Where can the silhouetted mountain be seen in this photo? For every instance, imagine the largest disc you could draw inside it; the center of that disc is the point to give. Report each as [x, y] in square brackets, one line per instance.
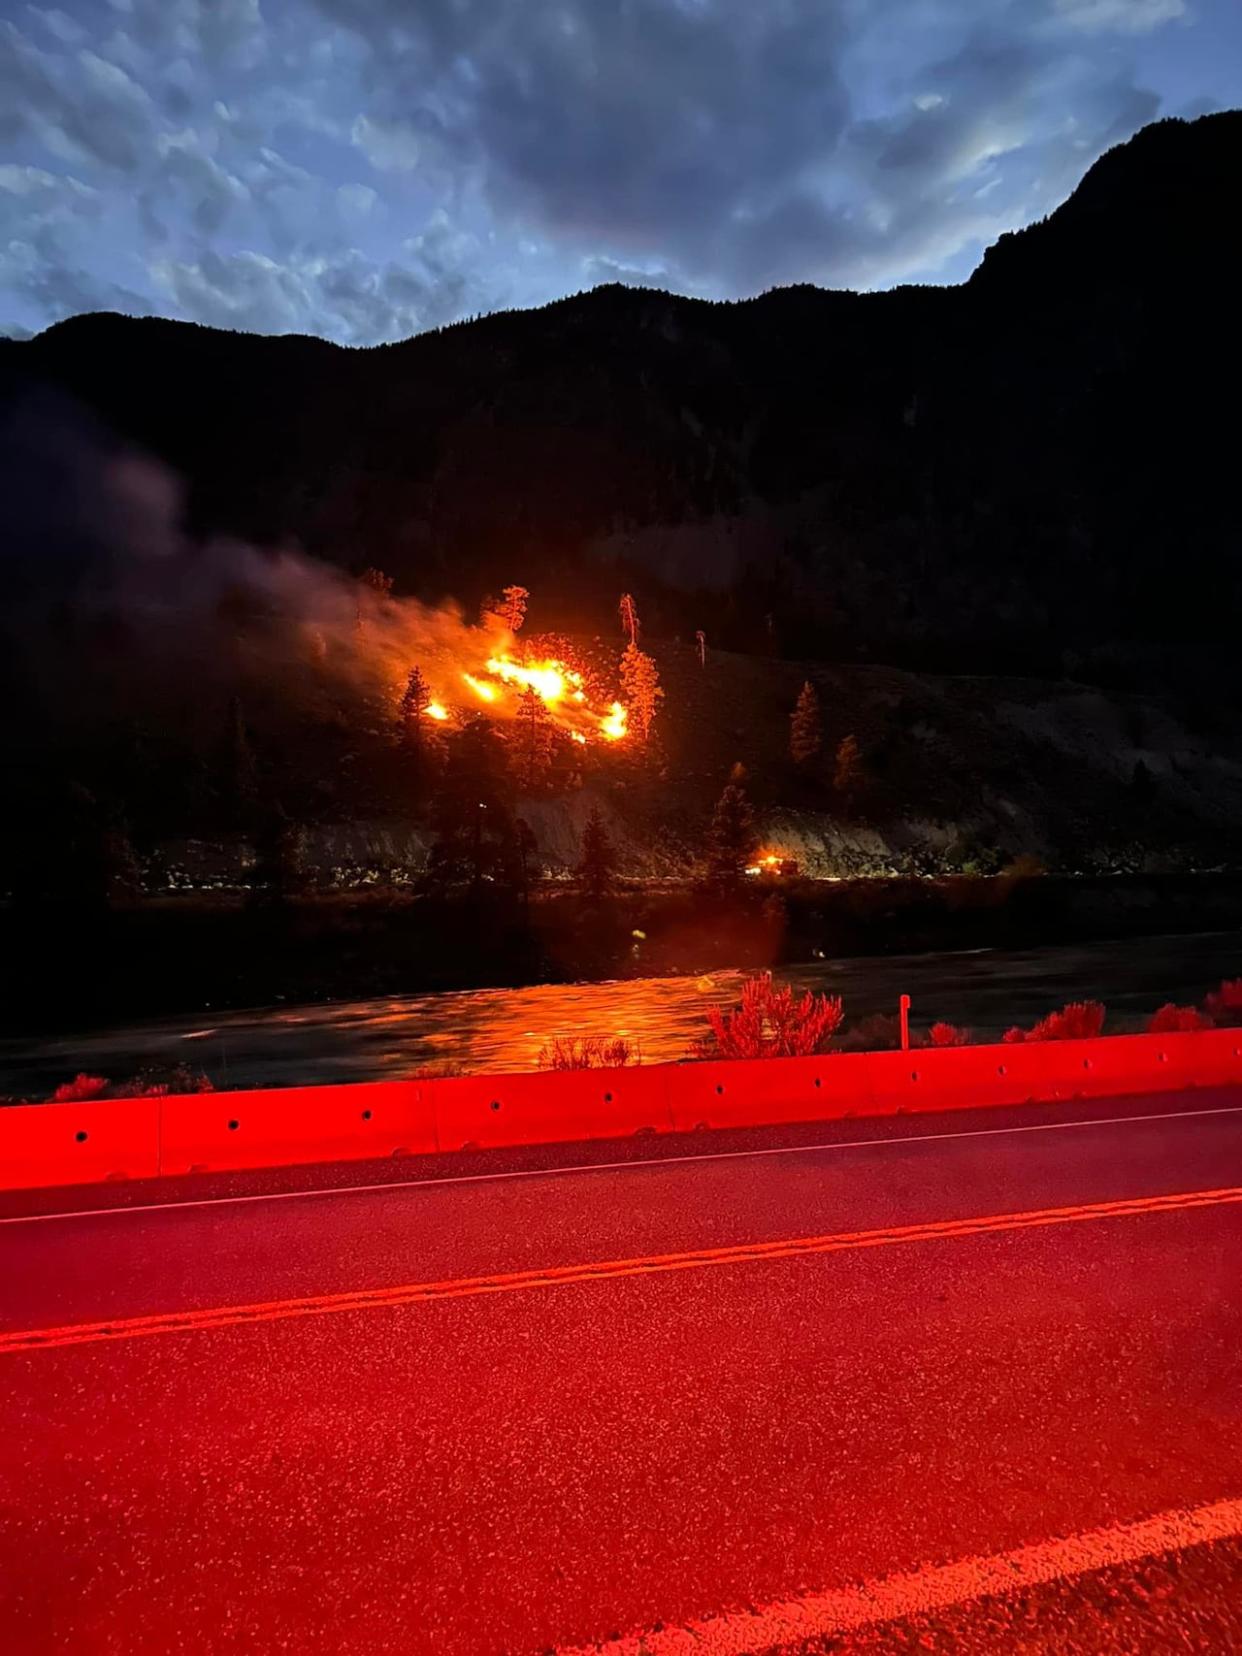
[1033, 471]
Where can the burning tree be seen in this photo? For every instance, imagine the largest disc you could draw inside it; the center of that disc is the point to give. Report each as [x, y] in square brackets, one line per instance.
[640, 685]
[771, 1023]
[511, 607]
[628, 611]
[805, 733]
[731, 839]
[598, 861]
[532, 741]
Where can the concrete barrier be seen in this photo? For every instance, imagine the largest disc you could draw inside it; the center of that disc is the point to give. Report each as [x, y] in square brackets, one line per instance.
[206, 1132]
[60, 1144]
[489, 1110]
[759, 1094]
[57, 1144]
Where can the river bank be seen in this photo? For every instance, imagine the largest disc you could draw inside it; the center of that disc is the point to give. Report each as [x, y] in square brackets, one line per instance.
[503, 1029]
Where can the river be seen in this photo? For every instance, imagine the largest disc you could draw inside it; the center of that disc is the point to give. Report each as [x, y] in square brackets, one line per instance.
[503, 1029]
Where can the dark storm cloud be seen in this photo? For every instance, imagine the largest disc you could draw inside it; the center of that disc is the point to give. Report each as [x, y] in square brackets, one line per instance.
[368, 168]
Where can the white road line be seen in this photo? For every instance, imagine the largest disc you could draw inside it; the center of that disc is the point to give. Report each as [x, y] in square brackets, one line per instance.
[917, 1593]
[605, 1167]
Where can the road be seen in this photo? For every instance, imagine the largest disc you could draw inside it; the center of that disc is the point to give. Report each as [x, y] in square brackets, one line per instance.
[503, 1029]
[693, 1389]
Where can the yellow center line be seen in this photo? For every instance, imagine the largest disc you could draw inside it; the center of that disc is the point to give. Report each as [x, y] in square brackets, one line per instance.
[508, 1282]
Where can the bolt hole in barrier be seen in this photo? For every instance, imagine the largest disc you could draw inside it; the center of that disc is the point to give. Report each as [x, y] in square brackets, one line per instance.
[288, 1125]
[550, 1106]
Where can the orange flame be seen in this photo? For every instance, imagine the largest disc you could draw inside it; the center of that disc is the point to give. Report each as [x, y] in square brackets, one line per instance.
[436, 711]
[485, 692]
[615, 726]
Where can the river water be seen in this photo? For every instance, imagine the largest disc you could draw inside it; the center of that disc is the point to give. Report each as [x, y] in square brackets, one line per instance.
[503, 1029]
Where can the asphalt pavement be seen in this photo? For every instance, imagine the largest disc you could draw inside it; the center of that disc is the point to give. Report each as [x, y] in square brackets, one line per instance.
[687, 1393]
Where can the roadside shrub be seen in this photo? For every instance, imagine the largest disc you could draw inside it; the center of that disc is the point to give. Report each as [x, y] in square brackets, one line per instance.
[771, 1023]
[573, 1052]
[159, 1080]
[1077, 1021]
[153, 1082]
[81, 1087]
[948, 1035]
[1224, 1005]
[1170, 1020]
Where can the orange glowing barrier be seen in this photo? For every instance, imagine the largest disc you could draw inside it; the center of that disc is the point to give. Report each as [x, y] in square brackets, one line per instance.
[614, 727]
[436, 711]
[485, 692]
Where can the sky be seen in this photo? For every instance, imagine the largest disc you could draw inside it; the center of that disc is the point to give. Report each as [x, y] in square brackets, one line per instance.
[365, 169]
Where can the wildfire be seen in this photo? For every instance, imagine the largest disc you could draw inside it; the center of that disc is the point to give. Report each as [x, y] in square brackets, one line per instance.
[485, 692]
[550, 682]
[436, 710]
[772, 862]
[615, 725]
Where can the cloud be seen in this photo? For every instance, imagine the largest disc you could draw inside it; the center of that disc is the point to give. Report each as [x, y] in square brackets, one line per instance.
[1119, 16]
[261, 162]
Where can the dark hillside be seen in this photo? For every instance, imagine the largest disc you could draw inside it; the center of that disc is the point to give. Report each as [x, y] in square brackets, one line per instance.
[1029, 472]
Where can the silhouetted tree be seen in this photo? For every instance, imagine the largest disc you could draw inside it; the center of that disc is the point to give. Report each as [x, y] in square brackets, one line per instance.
[412, 713]
[477, 841]
[628, 611]
[278, 872]
[640, 686]
[731, 840]
[598, 861]
[848, 773]
[532, 741]
[805, 733]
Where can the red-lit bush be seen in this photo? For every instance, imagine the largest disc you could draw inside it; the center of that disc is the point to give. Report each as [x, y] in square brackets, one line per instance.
[1224, 1005]
[1079, 1021]
[771, 1023]
[80, 1088]
[588, 1052]
[948, 1035]
[1174, 1020]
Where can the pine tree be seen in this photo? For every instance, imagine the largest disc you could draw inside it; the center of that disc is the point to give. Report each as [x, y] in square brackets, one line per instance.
[805, 734]
[598, 860]
[640, 686]
[700, 644]
[847, 776]
[375, 581]
[476, 837]
[533, 739]
[628, 611]
[412, 713]
[512, 607]
[731, 840]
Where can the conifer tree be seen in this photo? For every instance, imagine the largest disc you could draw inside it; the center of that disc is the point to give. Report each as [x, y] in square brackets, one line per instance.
[598, 860]
[412, 712]
[731, 840]
[640, 687]
[533, 739]
[628, 610]
[847, 776]
[805, 733]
